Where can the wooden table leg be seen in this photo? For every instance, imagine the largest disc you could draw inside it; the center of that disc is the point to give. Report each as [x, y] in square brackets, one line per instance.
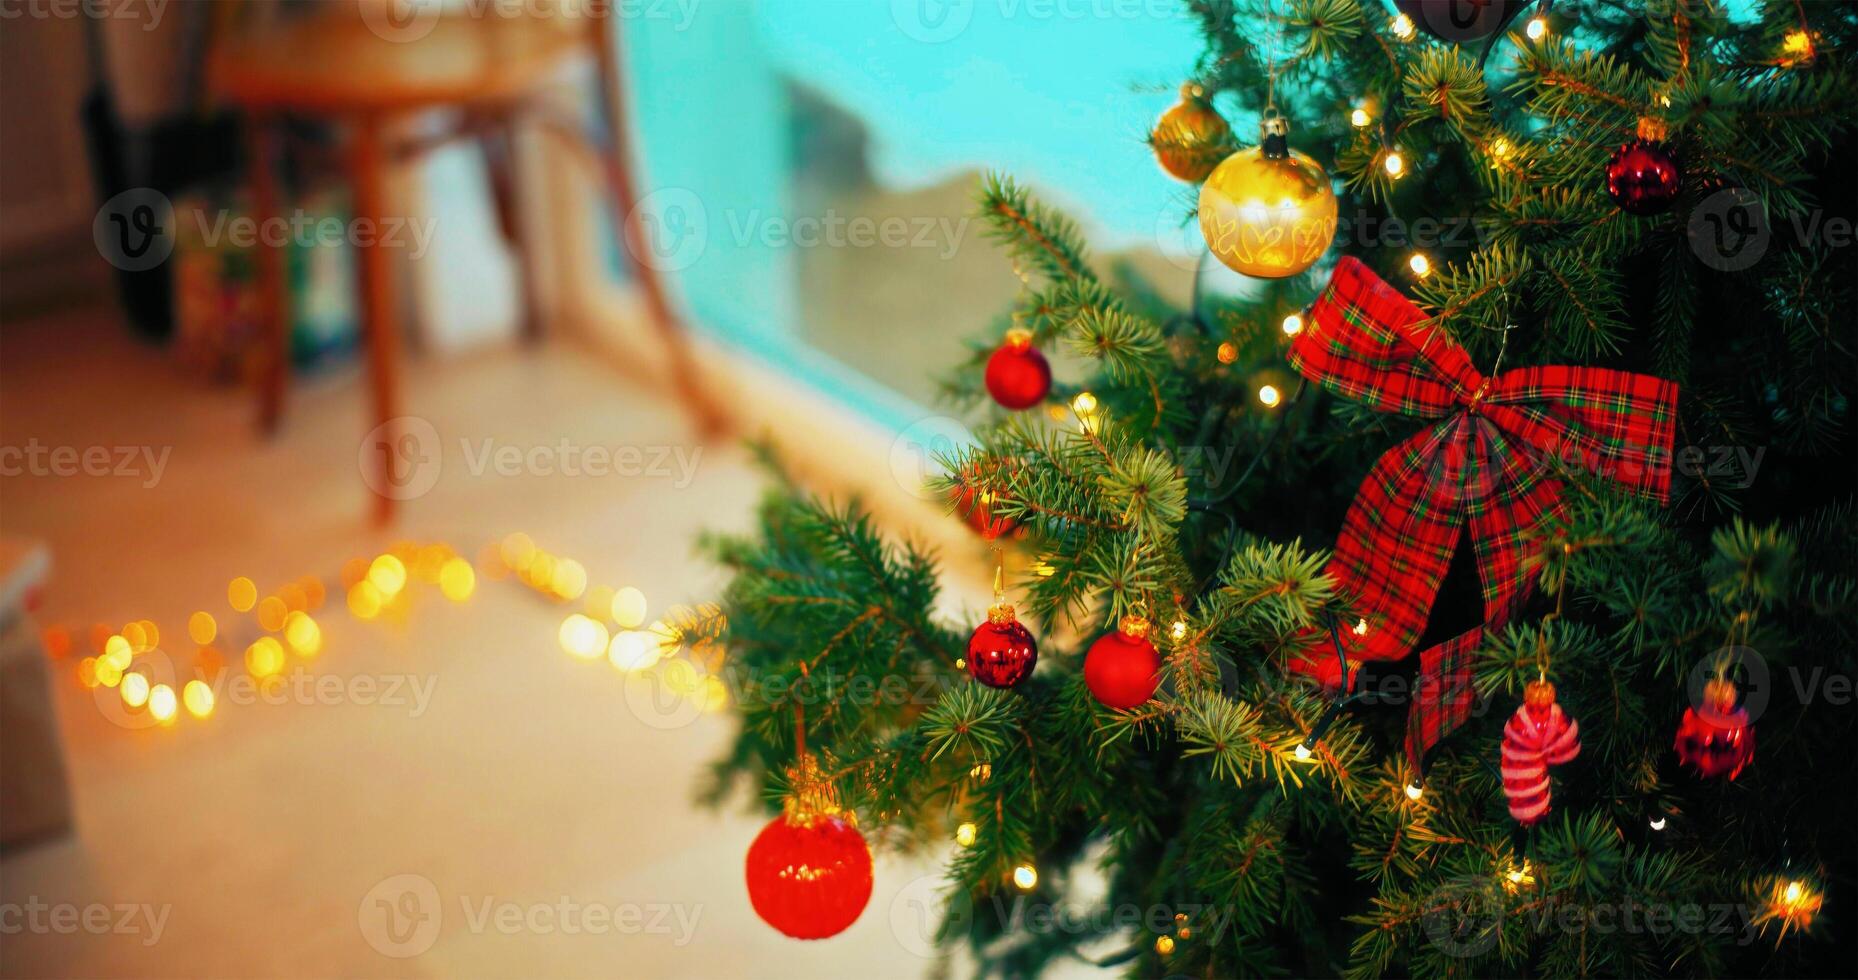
[367, 172]
[261, 141]
[500, 152]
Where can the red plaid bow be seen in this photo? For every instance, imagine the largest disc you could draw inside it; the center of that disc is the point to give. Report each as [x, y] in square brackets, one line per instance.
[1482, 470]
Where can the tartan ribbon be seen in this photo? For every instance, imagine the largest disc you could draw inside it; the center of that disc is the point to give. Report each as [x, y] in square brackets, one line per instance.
[1482, 470]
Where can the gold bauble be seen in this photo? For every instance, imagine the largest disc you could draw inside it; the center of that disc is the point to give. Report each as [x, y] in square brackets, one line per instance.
[1190, 137]
[1268, 211]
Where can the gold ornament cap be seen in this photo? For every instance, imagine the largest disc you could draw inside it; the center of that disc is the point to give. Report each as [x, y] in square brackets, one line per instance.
[1539, 694]
[810, 795]
[1019, 338]
[1653, 130]
[1001, 613]
[1133, 626]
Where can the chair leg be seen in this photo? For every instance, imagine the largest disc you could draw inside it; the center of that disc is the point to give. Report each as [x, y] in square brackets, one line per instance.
[367, 172]
[710, 417]
[500, 151]
[261, 151]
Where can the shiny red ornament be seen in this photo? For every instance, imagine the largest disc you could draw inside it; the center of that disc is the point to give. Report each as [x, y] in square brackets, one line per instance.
[1018, 376]
[976, 506]
[1643, 177]
[1123, 668]
[1538, 735]
[1717, 739]
[809, 876]
[1002, 652]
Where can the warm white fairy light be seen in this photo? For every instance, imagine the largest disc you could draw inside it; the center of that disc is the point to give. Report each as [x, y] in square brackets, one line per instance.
[1026, 877]
[1537, 28]
[1293, 325]
[1360, 118]
[1268, 394]
[1414, 791]
[1403, 27]
[1658, 822]
[964, 835]
[1395, 164]
[1421, 266]
[1303, 752]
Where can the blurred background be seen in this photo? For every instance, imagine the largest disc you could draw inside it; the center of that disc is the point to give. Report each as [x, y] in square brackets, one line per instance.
[367, 371]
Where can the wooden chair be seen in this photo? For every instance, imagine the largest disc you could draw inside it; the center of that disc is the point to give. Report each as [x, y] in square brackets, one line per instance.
[366, 73]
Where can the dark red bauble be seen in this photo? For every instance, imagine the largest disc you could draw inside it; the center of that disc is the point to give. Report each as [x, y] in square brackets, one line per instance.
[1716, 739]
[809, 877]
[1460, 20]
[1018, 376]
[1642, 177]
[1123, 668]
[1001, 653]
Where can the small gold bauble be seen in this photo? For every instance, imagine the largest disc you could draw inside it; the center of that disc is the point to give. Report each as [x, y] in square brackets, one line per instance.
[1268, 211]
[1190, 137]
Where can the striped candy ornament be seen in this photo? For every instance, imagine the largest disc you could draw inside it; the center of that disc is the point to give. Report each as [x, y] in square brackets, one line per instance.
[1538, 735]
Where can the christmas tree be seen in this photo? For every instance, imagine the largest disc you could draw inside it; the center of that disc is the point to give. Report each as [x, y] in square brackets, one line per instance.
[1538, 510]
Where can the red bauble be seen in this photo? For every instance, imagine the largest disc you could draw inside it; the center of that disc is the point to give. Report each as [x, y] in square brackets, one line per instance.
[1460, 20]
[1717, 739]
[976, 506]
[1018, 376]
[1002, 652]
[809, 877]
[1538, 735]
[1642, 177]
[1123, 668]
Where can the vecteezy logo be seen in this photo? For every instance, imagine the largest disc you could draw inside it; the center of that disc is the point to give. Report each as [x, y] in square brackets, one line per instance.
[1461, 20]
[401, 458]
[1729, 230]
[400, 916]
[1463, 917]
[135, 229]
[673, 229]
[931, 21]
[1744, 665]
[919, 913]
[401, 20]
[915, 456]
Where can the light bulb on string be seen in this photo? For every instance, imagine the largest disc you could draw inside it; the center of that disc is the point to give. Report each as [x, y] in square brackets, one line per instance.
[1395, 164]
[1026, 877]
[1360, 118]
[1303, 752]
[1537, 28]
[1414, 791]
[1293, 325]
[1421, 266]
[1403, 27]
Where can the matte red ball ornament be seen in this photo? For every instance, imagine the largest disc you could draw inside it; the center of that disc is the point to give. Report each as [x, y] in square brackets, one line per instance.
[1716, 739]
[1123, 668]
[809, 870]
[1002, 652]
[1018, 376]
[1643, 177]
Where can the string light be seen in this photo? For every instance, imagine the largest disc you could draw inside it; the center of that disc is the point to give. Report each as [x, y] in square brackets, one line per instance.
[202, 627]
[1414, 791]
[1500, 149]
[1228, 352]
[1178, 630]
[964, 835]
[1360, 118]
[134, 689]
[1793, 903]
[1084, 404]
[1269, 395]
[1164, 944]
[1361, 627]
[198, 697]
[1658, 822]
[107, 673]
[1293, 325]
[1403, 27]
[632, 650]
[629, 608]
[1537, 28]
[583, 637]
[981, 772]
[1395, 164]
[457, 579]
[241, 594]
[388, 574]
[303, 635]
[1518, 878]
[364, 600]
[1026, 877]
[162, 703]
[264, 657]
[271, 613]
[1421, 266]
[1303, 752]
[1798, 45]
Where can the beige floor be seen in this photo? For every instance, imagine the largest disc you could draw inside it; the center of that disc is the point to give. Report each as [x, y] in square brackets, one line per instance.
[264, 831]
